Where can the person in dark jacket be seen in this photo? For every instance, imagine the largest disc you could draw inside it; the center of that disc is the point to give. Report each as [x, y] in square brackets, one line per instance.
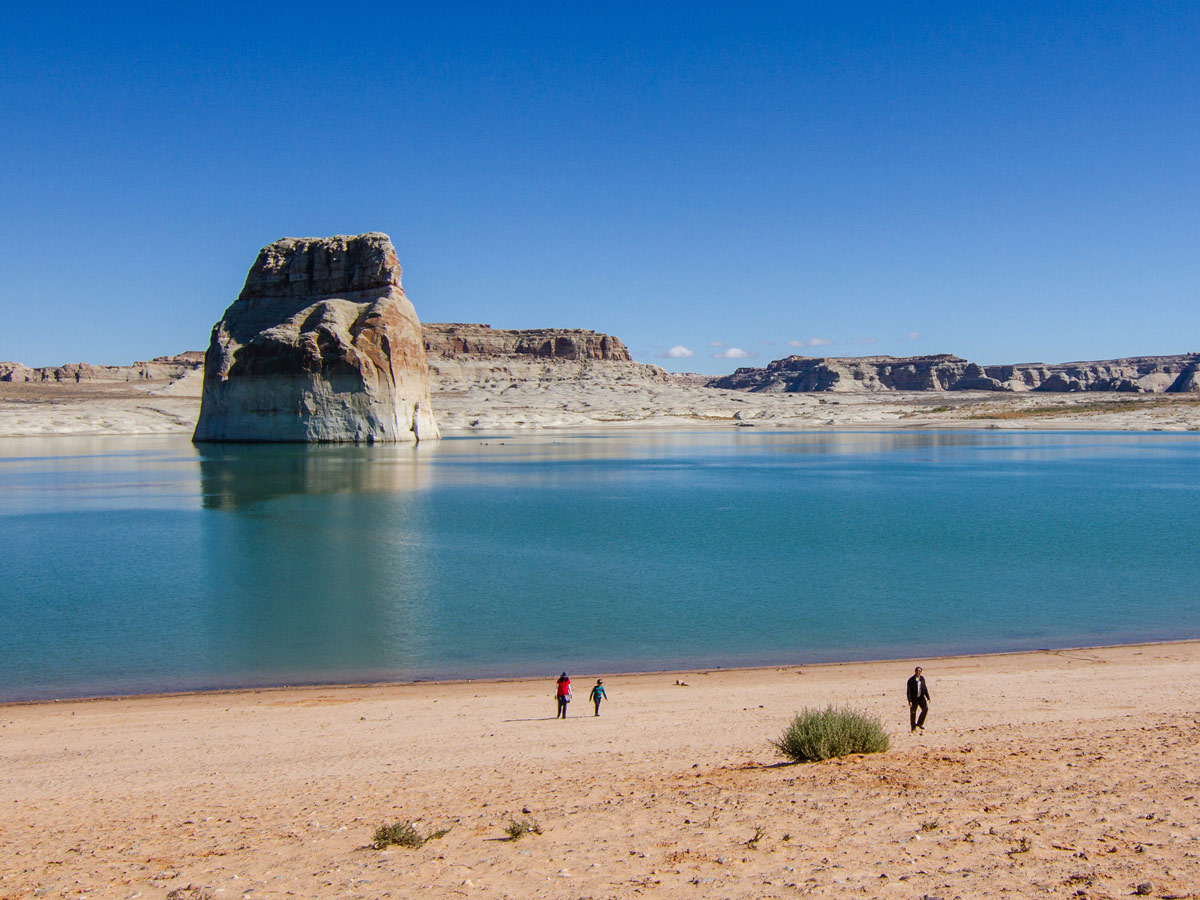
[918, 698]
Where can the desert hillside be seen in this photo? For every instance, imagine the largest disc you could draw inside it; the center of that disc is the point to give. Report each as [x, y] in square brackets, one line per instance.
[485, 379]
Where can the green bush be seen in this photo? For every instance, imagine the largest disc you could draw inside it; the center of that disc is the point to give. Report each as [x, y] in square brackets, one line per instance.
[817, 734]
[404, 834]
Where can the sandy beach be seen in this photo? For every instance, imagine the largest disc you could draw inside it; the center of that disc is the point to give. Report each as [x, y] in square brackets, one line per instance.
[1058, 774]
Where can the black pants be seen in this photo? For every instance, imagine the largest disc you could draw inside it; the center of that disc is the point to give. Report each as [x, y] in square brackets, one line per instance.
[597, 706]
[562, 708]
[914, 720]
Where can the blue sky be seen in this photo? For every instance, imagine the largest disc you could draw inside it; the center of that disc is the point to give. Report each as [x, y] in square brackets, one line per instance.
[1010, 182]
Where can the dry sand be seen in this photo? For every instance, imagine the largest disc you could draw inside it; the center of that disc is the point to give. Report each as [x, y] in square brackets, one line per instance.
[1057, 774]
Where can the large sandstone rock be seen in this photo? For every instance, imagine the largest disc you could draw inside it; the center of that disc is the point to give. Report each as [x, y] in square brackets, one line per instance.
[321, 345]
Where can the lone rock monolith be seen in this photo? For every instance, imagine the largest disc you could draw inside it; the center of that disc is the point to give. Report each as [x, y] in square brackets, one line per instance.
[320, 346]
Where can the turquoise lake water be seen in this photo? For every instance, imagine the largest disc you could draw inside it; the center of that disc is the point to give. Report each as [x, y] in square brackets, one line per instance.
[132, 565]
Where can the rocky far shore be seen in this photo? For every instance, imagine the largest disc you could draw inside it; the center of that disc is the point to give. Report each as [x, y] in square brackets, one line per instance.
[161, 368]
[490, 379]
[946, 372]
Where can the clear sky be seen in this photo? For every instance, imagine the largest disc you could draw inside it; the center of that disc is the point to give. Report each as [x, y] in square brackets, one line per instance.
[735, 181]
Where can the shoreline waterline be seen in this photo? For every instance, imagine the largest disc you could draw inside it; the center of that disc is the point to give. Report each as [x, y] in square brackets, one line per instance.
[174, 570]
[632, 674]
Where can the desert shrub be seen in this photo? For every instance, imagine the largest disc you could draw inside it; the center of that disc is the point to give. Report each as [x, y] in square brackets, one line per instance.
[191, 892]
[1023, 845]
[518, 828]
[759, 834]
[817, 734]
[404, 834]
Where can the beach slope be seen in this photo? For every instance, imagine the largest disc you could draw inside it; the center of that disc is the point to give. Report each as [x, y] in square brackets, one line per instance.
[1059, 774]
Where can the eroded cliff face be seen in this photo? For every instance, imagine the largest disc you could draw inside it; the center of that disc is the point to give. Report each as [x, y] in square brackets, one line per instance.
[488, 378]
[321, 345]
[944, 372]
[455, 339]
[462, 355]
[1136, 374]
[161, 368]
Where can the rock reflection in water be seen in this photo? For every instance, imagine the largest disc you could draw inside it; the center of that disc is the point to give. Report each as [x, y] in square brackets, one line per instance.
[247, 474]
[309, 586]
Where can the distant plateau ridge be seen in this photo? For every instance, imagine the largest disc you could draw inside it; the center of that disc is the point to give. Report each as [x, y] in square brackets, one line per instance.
[945, 372]
[464, 353]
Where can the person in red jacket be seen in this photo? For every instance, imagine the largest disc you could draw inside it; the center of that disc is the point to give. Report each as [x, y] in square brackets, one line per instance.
[562, 693]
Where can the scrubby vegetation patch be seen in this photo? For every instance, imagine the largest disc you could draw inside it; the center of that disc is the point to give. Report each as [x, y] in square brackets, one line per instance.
[817, 734]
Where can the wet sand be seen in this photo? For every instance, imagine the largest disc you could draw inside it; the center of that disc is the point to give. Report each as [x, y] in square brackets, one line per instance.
[1058, 774]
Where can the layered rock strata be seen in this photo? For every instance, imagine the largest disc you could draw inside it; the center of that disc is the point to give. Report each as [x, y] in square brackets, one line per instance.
[457, 339]
[1136, 374]
[865, 373]
[488, 378]
[945, 372]
[458, 352]
[161, 368]
[321, 345]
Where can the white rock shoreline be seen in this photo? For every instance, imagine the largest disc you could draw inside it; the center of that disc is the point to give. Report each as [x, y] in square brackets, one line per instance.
[599, 395]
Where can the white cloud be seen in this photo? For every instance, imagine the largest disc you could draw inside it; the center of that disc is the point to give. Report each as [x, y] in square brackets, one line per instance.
[913, 335]
[733, 353]
[716, 343]
[679, 352]
[868, 340]
[811, 342]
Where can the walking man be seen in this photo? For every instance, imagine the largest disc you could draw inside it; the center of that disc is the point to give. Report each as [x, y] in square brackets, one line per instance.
[598, 694]
[918, 698]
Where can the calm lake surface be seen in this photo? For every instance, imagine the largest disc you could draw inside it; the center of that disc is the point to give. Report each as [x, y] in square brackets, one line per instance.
[144, 564]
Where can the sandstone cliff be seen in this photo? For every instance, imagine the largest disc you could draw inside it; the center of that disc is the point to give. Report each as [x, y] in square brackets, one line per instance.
[944, 372]
[455, 339]
[488, 378]
[460, 355]
[161, 368]
[1137, 374]
[864, 373]
[321, 345]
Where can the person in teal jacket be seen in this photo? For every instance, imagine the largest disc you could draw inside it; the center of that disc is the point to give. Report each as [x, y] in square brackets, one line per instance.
[598, 694]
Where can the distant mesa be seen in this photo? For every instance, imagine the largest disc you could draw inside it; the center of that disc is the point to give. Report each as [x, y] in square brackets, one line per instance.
[945, 372]
[157, 369]
[456, 339]
[321, 345]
